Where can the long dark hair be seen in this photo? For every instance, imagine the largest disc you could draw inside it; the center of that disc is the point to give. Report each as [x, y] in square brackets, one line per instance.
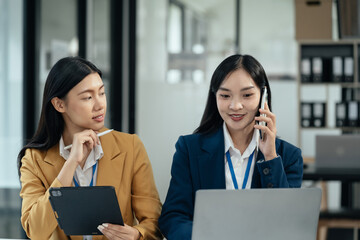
[211, 119]
[63, 76]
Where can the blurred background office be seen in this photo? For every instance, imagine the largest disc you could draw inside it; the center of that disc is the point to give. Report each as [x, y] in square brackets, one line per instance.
[157, 58]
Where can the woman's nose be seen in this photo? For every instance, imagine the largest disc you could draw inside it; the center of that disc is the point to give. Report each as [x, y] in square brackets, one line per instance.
[236, 105]
[100, 103]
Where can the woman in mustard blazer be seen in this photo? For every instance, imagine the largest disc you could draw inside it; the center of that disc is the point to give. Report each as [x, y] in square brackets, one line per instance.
[73, 112]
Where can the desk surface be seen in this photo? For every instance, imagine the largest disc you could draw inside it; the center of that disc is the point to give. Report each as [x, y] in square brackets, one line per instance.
[312, 173]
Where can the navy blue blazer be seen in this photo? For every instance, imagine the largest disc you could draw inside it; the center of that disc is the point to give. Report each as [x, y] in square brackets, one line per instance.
[199, 164]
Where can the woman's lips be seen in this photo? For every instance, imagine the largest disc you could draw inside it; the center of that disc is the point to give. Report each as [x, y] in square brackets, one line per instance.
[237, 117]
[99, 118]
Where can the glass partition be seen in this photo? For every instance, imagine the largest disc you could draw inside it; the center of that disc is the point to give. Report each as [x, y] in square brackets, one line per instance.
[11, 69]
[58, 38]
[11, 59]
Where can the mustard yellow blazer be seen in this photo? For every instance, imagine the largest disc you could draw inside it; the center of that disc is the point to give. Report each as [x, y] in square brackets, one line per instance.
[125, 166]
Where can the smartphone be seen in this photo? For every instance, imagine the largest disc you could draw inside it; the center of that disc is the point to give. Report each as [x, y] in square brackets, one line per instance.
[260, 134]
[262, 106]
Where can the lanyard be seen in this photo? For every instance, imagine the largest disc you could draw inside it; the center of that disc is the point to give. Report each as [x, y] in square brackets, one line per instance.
[233, 173]
[92, 178]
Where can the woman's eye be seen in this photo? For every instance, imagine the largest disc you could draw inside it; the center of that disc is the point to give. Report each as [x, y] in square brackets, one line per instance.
[87, 98]
[248, 94]
[102, 94]
[224, 96]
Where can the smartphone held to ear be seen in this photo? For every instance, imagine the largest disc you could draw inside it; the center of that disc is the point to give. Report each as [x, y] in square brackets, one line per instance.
[262, 106]
[260, 134]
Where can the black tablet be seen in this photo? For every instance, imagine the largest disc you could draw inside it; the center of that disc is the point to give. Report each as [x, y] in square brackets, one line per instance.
[80, 210]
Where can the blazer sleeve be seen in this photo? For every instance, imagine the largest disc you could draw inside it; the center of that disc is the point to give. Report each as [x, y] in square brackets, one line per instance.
[144, 197]
[177, 214]
[285, 171]
[37, 216]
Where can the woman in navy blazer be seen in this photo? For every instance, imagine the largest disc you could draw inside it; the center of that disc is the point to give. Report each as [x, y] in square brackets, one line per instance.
[228, 129]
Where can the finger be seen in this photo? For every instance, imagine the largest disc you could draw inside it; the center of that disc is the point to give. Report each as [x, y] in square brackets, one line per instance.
[94, 136]
[105, 230]
[270, 118]
[97, 138]
[265, 130]
[116, 229]
[89, 141]
[267, 112]
[109, 235]
[266, 106]
[267, 120]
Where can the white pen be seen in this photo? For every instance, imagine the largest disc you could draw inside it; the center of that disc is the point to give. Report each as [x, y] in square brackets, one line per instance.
[99, 135]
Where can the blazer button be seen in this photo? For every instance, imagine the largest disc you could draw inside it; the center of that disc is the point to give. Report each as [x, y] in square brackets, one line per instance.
[266, 171]
[270, 185]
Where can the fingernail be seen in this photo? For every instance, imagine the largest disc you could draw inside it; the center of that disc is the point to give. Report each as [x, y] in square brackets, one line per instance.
[105, 224]
[101, 228]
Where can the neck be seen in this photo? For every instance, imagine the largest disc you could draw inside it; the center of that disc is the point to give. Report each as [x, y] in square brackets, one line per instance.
[242, 139]
[68, 135]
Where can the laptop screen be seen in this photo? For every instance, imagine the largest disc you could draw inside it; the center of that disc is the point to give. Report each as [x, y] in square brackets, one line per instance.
[271, 214]
[337, 151]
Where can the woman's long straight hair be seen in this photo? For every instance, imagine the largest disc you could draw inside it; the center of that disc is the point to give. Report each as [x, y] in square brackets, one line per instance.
[211, 119]
[63, 76]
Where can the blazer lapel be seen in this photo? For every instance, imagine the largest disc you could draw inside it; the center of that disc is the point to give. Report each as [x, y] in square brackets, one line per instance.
[53, 163]
[111, 164]
[256, 181]
[211, 161]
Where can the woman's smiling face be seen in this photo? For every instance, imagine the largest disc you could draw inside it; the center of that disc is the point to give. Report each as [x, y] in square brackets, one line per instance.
[237, 101]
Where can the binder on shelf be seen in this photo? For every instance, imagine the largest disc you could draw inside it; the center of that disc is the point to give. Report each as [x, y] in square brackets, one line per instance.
[319, 114]
[348, 69]
[327, 69]
[306, 70]
[341, 114]
[353, 113]
[306, 114]
[317, 69]
[356, 94]
[347, 94]
[337, 69]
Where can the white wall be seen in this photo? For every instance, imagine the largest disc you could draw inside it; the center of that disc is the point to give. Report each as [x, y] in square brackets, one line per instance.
[267, 31]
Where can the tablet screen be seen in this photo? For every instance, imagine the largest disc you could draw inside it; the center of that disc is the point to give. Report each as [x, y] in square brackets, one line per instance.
[80, 210]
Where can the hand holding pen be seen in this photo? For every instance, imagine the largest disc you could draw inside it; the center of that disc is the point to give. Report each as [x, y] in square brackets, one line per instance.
[99, 135]
[83, 143]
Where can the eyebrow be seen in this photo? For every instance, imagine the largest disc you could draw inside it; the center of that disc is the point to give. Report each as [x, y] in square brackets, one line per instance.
[243, 89]
[89, 90]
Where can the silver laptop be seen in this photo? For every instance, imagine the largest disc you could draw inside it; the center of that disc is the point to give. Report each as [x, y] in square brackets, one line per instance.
[271, 214]
[338, 151]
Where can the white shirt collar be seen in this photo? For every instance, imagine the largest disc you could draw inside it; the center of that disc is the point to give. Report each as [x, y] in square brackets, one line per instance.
[95, 154]
[229, 145]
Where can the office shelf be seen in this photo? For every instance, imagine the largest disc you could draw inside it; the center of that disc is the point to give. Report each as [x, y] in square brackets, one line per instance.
[326, 51]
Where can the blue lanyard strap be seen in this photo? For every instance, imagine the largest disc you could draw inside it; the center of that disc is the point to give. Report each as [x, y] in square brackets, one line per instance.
[92, 178]
[233, 173]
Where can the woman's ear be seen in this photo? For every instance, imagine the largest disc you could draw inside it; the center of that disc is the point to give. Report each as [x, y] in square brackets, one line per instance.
[58, 104]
